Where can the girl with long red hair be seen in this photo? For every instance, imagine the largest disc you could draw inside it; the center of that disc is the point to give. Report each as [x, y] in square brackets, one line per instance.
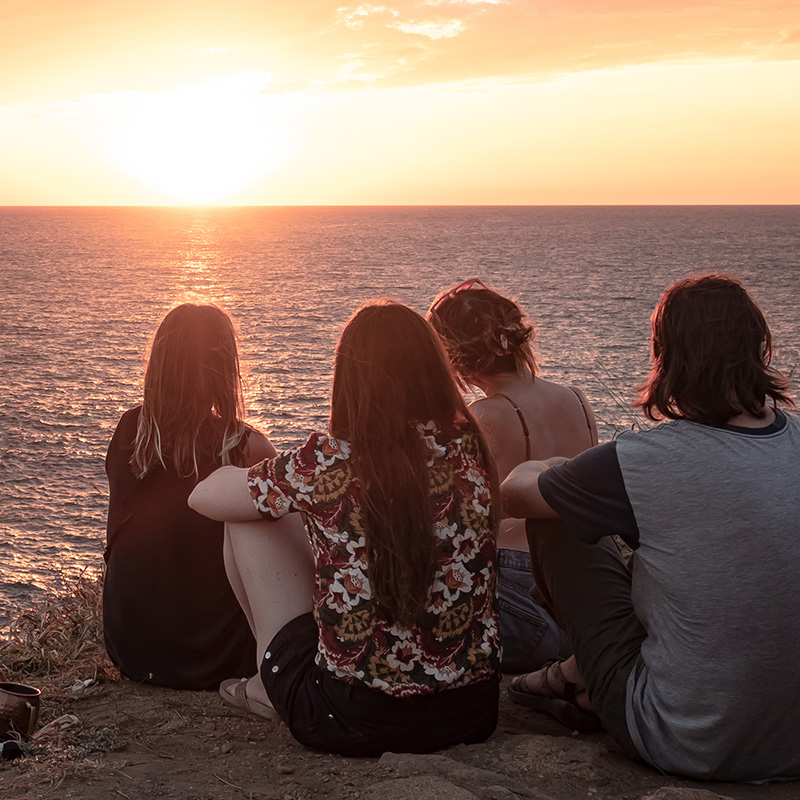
[383, 635]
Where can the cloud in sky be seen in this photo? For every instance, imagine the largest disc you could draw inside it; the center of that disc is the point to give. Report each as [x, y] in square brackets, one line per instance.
[59, 51]
[433, 30]
[394, 101]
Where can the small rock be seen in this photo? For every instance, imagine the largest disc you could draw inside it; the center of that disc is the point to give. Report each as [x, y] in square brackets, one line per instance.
[284, 769]
[225, 747]
[684, 793]
[423, 787]
[500, 793]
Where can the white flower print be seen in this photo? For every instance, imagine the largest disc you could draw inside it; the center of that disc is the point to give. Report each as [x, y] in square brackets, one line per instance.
[445, 674]
[453, 580]
[358, 551]
[349, 588]
[464, 545]
[442, 531]
[428, 433]
[299, 482]
[403, 656]
[331, 450]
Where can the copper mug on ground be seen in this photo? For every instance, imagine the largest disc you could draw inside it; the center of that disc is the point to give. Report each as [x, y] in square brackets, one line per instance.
[19, 709]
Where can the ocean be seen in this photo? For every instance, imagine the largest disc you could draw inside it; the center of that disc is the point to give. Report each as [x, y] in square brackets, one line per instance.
[85, 288]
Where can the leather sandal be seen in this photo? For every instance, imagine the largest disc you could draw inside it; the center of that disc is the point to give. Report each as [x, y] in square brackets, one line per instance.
[560, 705]
[234, 692]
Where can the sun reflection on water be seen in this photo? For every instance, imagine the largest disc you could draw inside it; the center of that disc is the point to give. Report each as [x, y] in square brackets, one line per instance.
[197, 279]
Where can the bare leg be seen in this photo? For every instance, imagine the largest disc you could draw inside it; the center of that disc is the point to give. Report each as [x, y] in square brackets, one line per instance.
[271, 570]
[235, 580]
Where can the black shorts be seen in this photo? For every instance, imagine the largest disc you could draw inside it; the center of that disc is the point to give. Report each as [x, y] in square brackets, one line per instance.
[335, 716]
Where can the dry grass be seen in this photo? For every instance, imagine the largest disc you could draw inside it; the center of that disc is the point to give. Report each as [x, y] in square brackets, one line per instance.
[58, 641]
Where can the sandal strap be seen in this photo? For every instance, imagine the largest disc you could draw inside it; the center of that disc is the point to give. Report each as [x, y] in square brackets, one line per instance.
[240, 693]
[569, 688]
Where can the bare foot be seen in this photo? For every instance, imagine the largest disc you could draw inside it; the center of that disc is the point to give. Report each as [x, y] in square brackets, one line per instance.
[248, 695]
[255, 690]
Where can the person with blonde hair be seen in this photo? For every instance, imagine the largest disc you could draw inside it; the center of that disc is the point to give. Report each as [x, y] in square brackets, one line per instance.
[169, 614]
[488, 339]
[382, 636]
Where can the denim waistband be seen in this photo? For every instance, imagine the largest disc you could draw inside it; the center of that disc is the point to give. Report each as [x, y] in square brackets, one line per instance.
[516, 559]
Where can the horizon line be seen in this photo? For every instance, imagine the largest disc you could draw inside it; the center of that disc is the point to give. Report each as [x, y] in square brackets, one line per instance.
[398, 205]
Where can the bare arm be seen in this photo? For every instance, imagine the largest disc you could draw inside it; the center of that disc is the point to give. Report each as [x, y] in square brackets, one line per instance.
[588, 413]
[224, 496]
[258, 448]
[520, 490]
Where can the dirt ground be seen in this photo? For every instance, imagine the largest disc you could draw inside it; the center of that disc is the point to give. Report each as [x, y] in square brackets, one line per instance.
[132, 741]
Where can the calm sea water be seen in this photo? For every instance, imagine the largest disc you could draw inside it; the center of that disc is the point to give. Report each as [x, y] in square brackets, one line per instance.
[85, 288]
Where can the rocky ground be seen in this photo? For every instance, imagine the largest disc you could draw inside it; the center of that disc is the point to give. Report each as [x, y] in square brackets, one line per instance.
[132, 741]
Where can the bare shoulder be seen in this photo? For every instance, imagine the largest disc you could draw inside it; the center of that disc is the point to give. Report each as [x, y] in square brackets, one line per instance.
[567, 395]
[573, 402]
[501, 426]
[489, 407]
[258, 447]
[495, 414]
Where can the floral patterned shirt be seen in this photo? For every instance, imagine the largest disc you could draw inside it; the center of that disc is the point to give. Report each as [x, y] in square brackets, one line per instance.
[456, 642]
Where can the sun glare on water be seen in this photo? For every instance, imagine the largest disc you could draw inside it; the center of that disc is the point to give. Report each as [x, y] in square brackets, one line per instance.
[196, 145]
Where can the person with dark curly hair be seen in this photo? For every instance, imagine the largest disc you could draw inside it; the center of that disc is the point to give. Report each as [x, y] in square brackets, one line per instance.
[688, 655]
[488, 339]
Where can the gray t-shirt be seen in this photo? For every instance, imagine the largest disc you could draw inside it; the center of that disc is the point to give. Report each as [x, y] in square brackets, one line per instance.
[714, 515]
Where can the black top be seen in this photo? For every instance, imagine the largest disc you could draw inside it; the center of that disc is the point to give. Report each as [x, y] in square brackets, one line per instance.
[588, 492]
[169, 614]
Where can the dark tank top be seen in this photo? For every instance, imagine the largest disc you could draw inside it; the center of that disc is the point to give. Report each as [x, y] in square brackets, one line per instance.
[169, 614]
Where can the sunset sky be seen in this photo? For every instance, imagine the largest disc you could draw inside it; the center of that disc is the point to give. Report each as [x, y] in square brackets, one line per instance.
[399, 102]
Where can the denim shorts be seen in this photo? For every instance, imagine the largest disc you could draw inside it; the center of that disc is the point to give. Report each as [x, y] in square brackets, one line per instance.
[351, 719]
[529, 636]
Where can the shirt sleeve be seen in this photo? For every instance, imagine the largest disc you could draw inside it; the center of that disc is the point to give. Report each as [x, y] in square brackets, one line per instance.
[588, 493]
[285, 483]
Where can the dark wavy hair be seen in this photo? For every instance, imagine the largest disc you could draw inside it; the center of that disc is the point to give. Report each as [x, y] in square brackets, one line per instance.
[711, 353]
[193, 406]
[483, 332]
[390, 373]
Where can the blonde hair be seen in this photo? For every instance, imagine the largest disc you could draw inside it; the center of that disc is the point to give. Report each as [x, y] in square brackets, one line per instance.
[193, 407]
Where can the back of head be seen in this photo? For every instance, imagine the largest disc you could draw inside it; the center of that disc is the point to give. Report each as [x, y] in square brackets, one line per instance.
[192, 392]
[484, 332]
[391, 372]
[711, 350]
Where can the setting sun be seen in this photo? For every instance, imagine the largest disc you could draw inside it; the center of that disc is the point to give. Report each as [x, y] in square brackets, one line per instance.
[196, 145]
[416, 102]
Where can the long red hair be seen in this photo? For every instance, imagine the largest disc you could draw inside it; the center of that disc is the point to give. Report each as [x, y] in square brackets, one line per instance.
[390, 373]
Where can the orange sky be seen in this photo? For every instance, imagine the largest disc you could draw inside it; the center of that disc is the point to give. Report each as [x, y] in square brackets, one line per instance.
[428, 102]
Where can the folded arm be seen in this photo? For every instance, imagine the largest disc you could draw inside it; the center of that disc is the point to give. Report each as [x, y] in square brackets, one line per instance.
[225, 496]
[520, 490]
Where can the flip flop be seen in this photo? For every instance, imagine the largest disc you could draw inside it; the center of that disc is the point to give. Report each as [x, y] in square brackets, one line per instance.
[234, 692]
[565, 709]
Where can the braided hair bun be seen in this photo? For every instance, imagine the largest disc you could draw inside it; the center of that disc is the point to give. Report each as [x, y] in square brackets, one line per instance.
[484, 333]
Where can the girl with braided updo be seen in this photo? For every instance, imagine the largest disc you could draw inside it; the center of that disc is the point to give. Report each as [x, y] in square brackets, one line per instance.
[488, 340]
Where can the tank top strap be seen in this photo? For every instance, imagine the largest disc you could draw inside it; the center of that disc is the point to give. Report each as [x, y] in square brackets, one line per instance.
[585, 412]
[522, 421]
